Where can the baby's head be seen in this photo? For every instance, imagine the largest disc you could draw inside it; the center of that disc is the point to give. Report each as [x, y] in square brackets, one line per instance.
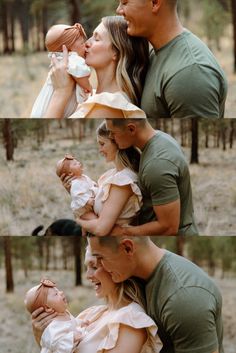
[69, 165]
[73, 37]
[45, 295]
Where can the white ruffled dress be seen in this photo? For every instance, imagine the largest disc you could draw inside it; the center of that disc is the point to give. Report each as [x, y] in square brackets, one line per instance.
[82, 189]
[117, 100]
[76, 68]
[103, 331]
[119, 178]
[59, 336]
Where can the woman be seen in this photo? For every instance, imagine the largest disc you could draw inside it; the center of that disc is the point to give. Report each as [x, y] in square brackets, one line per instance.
[120, 62]
[119, 198]
[120, 323]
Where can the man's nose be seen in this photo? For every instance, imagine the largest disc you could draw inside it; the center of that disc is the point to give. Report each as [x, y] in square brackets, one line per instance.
[119, 9]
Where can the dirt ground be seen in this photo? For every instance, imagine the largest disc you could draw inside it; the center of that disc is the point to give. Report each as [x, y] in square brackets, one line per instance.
[32, 194]
[15, 325]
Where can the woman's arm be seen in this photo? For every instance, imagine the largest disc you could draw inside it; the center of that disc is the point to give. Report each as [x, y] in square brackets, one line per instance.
[63, 85]
[129, 339]
[112, 208]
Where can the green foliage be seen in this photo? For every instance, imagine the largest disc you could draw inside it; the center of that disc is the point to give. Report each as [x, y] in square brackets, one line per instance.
[214, 20]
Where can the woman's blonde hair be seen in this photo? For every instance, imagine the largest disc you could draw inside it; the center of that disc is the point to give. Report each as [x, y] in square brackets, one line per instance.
[131, 291]
[132, 57]
[128, 157]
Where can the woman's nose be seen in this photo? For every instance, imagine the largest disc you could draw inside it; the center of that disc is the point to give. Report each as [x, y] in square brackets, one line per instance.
[88, 43]
[89, 274]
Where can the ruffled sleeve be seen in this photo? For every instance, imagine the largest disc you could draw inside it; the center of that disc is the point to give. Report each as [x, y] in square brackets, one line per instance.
[123, 178]
[115, 100]
[77, 66]
[133, 316]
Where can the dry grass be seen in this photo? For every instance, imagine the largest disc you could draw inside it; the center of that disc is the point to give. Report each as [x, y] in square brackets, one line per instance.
[16, 335]
[31, 194]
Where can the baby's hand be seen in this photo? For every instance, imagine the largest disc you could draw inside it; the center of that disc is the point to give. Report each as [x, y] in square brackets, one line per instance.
[90, 201]
[85, 323]
[78, 336]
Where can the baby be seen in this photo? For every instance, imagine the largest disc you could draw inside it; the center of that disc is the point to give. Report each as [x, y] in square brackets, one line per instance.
[83, 190]
[73, 37]
[65, 332]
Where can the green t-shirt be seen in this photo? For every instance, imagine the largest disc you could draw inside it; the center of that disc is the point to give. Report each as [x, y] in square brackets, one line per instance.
[186, 306]
[163, 178]
[184, 80]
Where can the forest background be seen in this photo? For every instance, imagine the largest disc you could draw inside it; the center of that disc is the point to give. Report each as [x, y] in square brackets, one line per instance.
[24, 261]
[24, 23]
[31, 194]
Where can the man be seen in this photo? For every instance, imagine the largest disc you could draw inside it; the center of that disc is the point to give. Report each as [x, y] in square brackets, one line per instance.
[184, 79]
[163, 178]
[182, 300]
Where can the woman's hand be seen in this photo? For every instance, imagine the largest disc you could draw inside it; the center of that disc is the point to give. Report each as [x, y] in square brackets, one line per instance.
[61, 80]
[66, 180]
[40, 320]
[63, 85]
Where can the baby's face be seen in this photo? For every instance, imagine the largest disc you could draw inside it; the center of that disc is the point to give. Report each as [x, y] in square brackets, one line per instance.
[56, 300]
[79, 46]
[76, 168]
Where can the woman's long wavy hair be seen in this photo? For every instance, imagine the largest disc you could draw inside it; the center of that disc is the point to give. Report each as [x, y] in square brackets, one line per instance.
[128, 157]
[132, 57]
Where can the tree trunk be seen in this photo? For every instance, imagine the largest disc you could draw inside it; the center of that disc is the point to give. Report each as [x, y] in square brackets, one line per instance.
[23, 13]
[4, 20]
[231, 134]
[194, 147]
[8, 264]
[180, 245]
[233, 5]
[8, 139]
[77, 254]
[75, 13]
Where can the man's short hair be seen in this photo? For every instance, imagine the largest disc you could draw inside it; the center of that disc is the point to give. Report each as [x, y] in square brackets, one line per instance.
[124, 122]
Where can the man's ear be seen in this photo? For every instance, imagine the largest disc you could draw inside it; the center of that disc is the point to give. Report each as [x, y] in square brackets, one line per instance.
[156, 4]
[127, 246]
[132, 128]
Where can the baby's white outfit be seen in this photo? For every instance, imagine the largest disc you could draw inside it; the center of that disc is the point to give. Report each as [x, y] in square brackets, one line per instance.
[76, 68]
[59, 336]
[82, 189]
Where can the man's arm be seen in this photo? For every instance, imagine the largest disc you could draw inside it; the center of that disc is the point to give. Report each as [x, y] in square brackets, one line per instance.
[189, 316]
[167, 223]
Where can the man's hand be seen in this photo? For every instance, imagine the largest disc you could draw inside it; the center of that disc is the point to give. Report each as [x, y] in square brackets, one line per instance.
[40, 320]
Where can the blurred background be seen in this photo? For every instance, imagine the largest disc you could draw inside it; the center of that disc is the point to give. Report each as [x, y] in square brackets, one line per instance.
[24, 23]
[24, 261]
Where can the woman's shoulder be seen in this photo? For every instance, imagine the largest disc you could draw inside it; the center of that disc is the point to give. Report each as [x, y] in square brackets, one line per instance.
[121, 177]
[134, 315]
[91, 312]
[112, 101]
